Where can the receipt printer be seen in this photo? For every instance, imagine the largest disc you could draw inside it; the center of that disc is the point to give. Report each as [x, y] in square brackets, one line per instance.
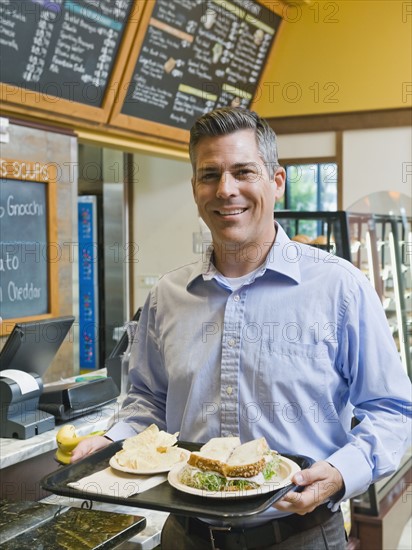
[20, 417]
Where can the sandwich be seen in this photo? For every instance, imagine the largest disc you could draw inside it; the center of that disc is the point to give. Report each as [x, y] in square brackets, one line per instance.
[224, 464]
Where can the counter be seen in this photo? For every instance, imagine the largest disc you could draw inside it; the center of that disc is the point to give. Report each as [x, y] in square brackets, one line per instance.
[14, 451]
[23, 463]
[147, 539]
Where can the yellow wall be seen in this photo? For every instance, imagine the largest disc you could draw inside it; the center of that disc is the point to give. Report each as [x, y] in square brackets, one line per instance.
[339, 56]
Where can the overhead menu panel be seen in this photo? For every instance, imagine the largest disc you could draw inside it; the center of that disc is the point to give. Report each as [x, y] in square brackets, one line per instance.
[63, 50]
[194, 56]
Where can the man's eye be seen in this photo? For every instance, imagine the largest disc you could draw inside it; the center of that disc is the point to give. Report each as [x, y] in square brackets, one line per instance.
[246, 173]
[210, 176]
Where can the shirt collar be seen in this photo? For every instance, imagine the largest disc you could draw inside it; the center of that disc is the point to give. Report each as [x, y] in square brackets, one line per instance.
[283, 258]
[204, 267]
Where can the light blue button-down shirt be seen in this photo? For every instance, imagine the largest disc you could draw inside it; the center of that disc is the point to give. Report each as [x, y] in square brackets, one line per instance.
[291, 356]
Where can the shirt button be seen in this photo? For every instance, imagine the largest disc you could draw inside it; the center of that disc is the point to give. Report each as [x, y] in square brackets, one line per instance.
[231, 342]
[236, 297]
[229, 390]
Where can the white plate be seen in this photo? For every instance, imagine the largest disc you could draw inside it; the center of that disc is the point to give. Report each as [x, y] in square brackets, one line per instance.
[287, 469]
[160, 470]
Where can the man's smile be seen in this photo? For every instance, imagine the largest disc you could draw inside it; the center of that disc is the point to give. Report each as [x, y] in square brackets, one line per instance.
[231, 212]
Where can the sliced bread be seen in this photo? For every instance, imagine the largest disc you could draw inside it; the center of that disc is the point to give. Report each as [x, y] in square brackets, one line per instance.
[248, 459]
[227, 457]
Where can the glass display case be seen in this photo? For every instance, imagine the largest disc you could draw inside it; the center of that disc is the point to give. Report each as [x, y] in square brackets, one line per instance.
[380, 232]
[328, 231]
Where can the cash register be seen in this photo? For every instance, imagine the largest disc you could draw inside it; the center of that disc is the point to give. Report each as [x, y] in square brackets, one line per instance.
[29, 408]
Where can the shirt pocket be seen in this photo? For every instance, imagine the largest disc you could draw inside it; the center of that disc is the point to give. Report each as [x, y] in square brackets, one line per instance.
[292, 372]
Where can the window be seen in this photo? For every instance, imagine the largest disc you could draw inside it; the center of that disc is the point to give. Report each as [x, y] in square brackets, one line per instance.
[310, 187]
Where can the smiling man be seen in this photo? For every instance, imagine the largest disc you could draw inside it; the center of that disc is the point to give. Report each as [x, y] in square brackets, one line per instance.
[226, 347]
[235, 192]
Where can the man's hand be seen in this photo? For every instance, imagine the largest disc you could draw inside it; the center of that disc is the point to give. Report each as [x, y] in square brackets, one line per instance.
[320, 481]
[88, 446]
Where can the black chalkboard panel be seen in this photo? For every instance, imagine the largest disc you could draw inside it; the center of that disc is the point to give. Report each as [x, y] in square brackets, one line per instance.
[198, 55]
[62, 48]
[24, 273]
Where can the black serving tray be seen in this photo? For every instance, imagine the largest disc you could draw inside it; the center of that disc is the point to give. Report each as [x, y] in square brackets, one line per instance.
[163, 497]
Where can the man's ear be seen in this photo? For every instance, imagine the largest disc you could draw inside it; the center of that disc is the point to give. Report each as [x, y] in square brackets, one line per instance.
[280, 179]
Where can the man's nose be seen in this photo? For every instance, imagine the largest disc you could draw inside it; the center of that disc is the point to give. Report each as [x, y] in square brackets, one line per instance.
[228, 186]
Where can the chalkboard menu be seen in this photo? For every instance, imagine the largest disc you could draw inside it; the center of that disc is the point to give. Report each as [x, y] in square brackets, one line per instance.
[197, 55]
[62, 48]
[25, 247]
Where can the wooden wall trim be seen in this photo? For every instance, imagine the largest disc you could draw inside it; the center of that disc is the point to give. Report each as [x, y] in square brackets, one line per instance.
[388, 118]
[339, 162]
[307, 160]
[42, 126]
[129, 177]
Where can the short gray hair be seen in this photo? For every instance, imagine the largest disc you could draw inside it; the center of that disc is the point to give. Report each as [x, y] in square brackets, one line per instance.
[227, 120]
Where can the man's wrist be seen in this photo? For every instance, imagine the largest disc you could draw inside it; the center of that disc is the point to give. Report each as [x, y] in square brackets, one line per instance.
[338, 495]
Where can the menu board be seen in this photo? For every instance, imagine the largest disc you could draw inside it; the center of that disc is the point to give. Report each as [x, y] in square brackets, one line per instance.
[62, 48]
[27, 239]
[198, 55]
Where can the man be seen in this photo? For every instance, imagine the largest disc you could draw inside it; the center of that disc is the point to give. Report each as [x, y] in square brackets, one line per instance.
[263, 337]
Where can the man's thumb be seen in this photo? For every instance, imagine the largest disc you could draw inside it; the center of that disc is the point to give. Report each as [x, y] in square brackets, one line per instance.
[302, 478]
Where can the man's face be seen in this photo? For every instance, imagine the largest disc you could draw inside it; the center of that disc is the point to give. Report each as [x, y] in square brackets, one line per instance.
[232, 189]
